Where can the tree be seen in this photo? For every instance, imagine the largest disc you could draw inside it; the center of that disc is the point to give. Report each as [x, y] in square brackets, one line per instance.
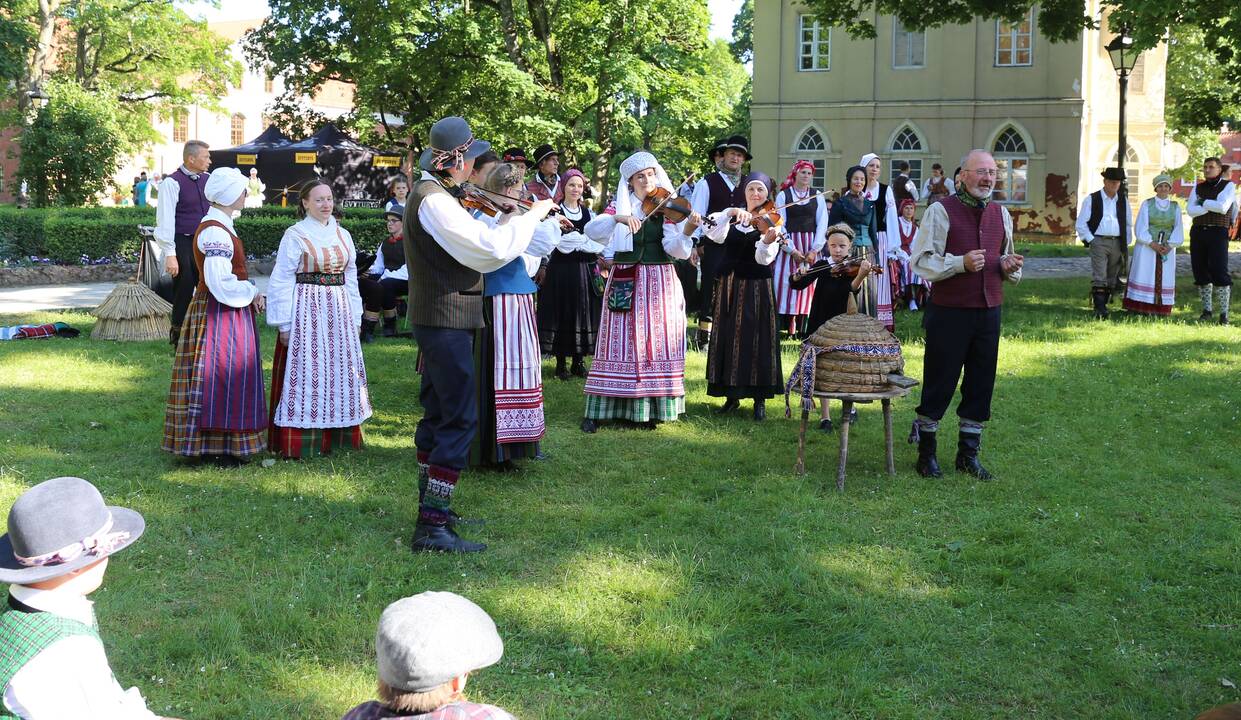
[743, 33]
[69, 152]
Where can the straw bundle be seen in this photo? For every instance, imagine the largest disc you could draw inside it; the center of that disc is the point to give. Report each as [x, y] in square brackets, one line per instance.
[132, 311]
[859, 354]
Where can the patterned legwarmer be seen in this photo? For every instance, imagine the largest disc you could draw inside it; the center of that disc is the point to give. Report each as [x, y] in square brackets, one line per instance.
[1204, 292]
[424, 463]
[1223, 298]
[370, 316]
[920, 425]
[433, 510]
[971, 427]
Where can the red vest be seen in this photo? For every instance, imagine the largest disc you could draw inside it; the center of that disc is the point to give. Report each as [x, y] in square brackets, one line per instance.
[970, 229]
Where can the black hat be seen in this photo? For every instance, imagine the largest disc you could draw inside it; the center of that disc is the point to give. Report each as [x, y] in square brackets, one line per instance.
[1113, 173]
[716, 149]
[736, 142]
[543, 152]
[514, 154]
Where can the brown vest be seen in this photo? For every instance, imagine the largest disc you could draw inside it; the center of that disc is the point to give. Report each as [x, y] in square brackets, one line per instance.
[239, 253]
[970, 229]
[442, 292]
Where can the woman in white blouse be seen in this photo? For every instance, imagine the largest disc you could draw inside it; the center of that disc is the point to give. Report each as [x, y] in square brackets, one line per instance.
[319, 393]
[1158, 232]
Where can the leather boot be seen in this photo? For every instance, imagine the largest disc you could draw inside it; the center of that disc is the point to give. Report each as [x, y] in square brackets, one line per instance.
[1100, 303]
[928, 464]
[578, 368]
[760, 410]
[729, 405]
[967, 456]
[174, 334]
[390, 326]
[562, 372]
[441, 538]
[368, 331]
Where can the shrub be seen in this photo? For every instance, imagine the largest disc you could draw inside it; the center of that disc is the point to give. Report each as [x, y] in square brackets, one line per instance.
[68, 238]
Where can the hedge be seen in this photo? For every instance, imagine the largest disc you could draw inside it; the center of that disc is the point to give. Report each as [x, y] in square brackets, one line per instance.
[65, 235]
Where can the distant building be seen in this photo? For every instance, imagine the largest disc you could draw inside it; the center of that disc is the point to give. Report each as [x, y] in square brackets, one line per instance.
[1047, 111]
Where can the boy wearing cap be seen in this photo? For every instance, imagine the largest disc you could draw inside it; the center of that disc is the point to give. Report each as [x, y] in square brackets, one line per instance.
[427, 645]
[52, 662]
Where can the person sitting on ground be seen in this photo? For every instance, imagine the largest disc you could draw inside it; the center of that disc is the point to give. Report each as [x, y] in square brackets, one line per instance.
[52, 662]
[427, 646]
[387, 279]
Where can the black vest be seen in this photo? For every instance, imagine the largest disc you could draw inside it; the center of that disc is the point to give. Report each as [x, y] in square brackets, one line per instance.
[899, 191]
[1096, 210]
[739, 255]
[799, 218]
[442, 292]
[881, 208]
[393, 254]
[720, 197]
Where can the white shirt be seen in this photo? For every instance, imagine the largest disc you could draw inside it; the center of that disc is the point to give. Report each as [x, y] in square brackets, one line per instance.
[70, 678]
[949, 185]
[545, 239]
[675, 242]
[1109, 225]
[1221, 204]
[217, 250]
[283, 281]
[820, 217]
[764, 253]
[471, 242]
[702, 197]
[166, 212]
[574, 241]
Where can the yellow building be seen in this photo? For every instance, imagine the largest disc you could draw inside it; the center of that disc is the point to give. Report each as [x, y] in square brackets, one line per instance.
[1047, 111]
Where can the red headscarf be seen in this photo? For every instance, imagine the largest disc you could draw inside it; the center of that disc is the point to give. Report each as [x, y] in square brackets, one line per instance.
[901, 208]
[788, 181]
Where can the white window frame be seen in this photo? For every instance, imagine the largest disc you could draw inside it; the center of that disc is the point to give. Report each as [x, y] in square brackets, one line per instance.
[897, 29]
[815, 156]
[1003, 162]
[818, 38]
[1014, 35]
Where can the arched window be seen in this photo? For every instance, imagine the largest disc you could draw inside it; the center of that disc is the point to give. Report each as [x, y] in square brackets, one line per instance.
[238, 129]
[906, 146]
[811, 143]
[1132, 166]
[1012, 158]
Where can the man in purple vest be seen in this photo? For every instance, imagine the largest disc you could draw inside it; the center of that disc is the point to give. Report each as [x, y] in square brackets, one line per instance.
[182, 205]
[965, 248]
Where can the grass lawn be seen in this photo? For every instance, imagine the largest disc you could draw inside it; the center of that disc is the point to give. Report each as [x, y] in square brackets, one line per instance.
[686, 572]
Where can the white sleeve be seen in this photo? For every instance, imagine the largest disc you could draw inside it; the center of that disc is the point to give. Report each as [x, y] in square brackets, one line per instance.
[911, 188]
[820, 226]
[600, 228]
[545, 238]
[719, 232]
[283, 281]
[926, 189]
[1141, 228]
[1194, 208]
[676, 243]
[1015, 276]
[1083, 216]
[950, 186]
[377, 267]
[166, 216]
[351, 279]
[893, 223]
[1223, 201]
[472, 242]
[1178, 230]
[217, 250]
[71, 679]
[533, 263]
[401, 273]
[699, 200]
[929, 257]
[764, 253]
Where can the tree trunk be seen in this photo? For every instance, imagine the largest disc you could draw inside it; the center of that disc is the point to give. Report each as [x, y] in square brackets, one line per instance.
[509, 30]
[541, 25]
[40, 58]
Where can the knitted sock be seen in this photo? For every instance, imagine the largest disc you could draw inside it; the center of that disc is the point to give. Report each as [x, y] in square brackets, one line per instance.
[440, 483]
[1204, 292]
[971, 427]
[424, 463]
[1223, 298]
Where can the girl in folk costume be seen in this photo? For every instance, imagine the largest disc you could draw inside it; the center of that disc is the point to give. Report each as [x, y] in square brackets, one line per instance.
[507, 360]
[743, 358]
[905, 283]
[215, 405]
[569, 306]
[319, 397]
[805, 220]
[1157, 233]
[858, 212]
[639, 369]
[885, 230]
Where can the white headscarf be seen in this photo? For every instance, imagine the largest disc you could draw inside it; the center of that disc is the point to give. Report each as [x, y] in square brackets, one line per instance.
[225, 185]
[622, 238]
[866, 159]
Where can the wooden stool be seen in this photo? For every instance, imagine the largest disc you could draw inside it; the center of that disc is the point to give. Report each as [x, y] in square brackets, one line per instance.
[848, 399]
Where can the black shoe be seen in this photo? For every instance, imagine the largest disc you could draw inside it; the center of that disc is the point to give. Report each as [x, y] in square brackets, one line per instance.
[589, 426]
[825, 425]
[1206, 316]
[729, 405]
[542, 455]
[1100, 303]
[441, 538]
[927, 465]
[368, 331]
[174, 334]
[578, 369]
[1223, 318]
[852, 416]
[227, 461]
[390, 327]
[760, 411]
[967, 456]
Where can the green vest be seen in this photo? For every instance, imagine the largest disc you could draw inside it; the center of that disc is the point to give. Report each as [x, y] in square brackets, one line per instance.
[648, 246]
[24, 635]
[1161, 221]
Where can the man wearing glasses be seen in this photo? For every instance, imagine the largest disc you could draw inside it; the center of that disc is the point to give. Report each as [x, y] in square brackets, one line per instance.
[965, 248]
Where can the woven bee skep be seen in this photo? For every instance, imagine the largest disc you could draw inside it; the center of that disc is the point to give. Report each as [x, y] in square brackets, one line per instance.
[132, 312]
[860, 354]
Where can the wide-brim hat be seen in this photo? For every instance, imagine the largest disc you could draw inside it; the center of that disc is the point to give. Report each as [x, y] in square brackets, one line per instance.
[716, 149]
[1113, 173]
[543, 152]
[62, 525]
[451, 135]
[735, 142]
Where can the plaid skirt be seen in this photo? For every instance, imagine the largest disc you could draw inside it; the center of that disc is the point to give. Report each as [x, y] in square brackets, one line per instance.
[291, 442]
[215, 400]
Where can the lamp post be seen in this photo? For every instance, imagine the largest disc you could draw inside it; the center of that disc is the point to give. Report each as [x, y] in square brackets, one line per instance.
[1124, 57]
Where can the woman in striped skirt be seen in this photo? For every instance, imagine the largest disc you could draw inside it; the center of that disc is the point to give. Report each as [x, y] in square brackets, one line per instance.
[319, 396]
[885, 231]
[805, 220]
[215, 404]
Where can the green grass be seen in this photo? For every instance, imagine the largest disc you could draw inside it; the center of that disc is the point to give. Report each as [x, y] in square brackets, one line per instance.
[687, 572]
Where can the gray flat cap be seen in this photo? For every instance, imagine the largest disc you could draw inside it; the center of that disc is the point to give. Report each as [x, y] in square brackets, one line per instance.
[428, 639]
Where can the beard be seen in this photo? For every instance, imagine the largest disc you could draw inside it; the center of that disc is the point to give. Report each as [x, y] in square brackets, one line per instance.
[980, 192]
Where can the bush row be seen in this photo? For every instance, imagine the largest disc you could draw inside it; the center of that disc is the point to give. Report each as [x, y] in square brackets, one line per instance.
[67, 235]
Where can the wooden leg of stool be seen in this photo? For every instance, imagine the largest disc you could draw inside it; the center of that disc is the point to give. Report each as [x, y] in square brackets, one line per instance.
[844, 445]
[887, 434]
[800, 468]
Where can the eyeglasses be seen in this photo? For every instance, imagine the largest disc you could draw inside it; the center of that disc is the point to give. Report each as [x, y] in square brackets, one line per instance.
[986, 172]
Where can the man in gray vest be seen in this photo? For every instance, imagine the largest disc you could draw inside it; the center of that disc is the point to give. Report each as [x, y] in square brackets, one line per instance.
[447, 250]
[1099, 228]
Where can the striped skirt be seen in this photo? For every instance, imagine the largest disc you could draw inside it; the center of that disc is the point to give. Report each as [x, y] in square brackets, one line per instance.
[510, 381]
[901, 275]
[215, 402]
[788, 300]
[1152, 282]
[641, 352]
[882, 288]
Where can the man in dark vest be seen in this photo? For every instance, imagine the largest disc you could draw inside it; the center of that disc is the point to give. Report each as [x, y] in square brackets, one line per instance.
[181, 207]
[447, 250]
[717, 191]
[1099, 228]
[902, 187]
[965, 248]
[1212, 205]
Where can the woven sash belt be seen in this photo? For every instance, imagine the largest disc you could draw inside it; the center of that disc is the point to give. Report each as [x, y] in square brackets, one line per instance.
[318, 278]
[1211, 219]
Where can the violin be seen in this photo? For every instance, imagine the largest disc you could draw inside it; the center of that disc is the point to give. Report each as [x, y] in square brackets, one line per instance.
[662, 201]
[492, 203]
[849, 267]
[765, 217]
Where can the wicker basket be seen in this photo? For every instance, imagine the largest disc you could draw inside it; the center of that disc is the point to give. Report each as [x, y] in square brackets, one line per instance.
[861, 354]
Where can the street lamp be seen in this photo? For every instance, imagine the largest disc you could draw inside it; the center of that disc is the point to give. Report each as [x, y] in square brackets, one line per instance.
[1123, 57]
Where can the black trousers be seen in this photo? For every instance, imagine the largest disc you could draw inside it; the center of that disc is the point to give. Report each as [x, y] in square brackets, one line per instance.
[381, 294]
[711, 255]
[1208, 255]
[186, 280]
[450, 408]
[959, 339]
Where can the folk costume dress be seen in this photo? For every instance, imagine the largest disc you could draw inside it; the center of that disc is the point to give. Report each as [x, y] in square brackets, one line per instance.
[569, 304]
[903, 280]
[1152, 278]
[831, 294]
[319, 397]
[859, 213]
[216, 403]
[885, 231]
[805, 221]
[743, 358]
